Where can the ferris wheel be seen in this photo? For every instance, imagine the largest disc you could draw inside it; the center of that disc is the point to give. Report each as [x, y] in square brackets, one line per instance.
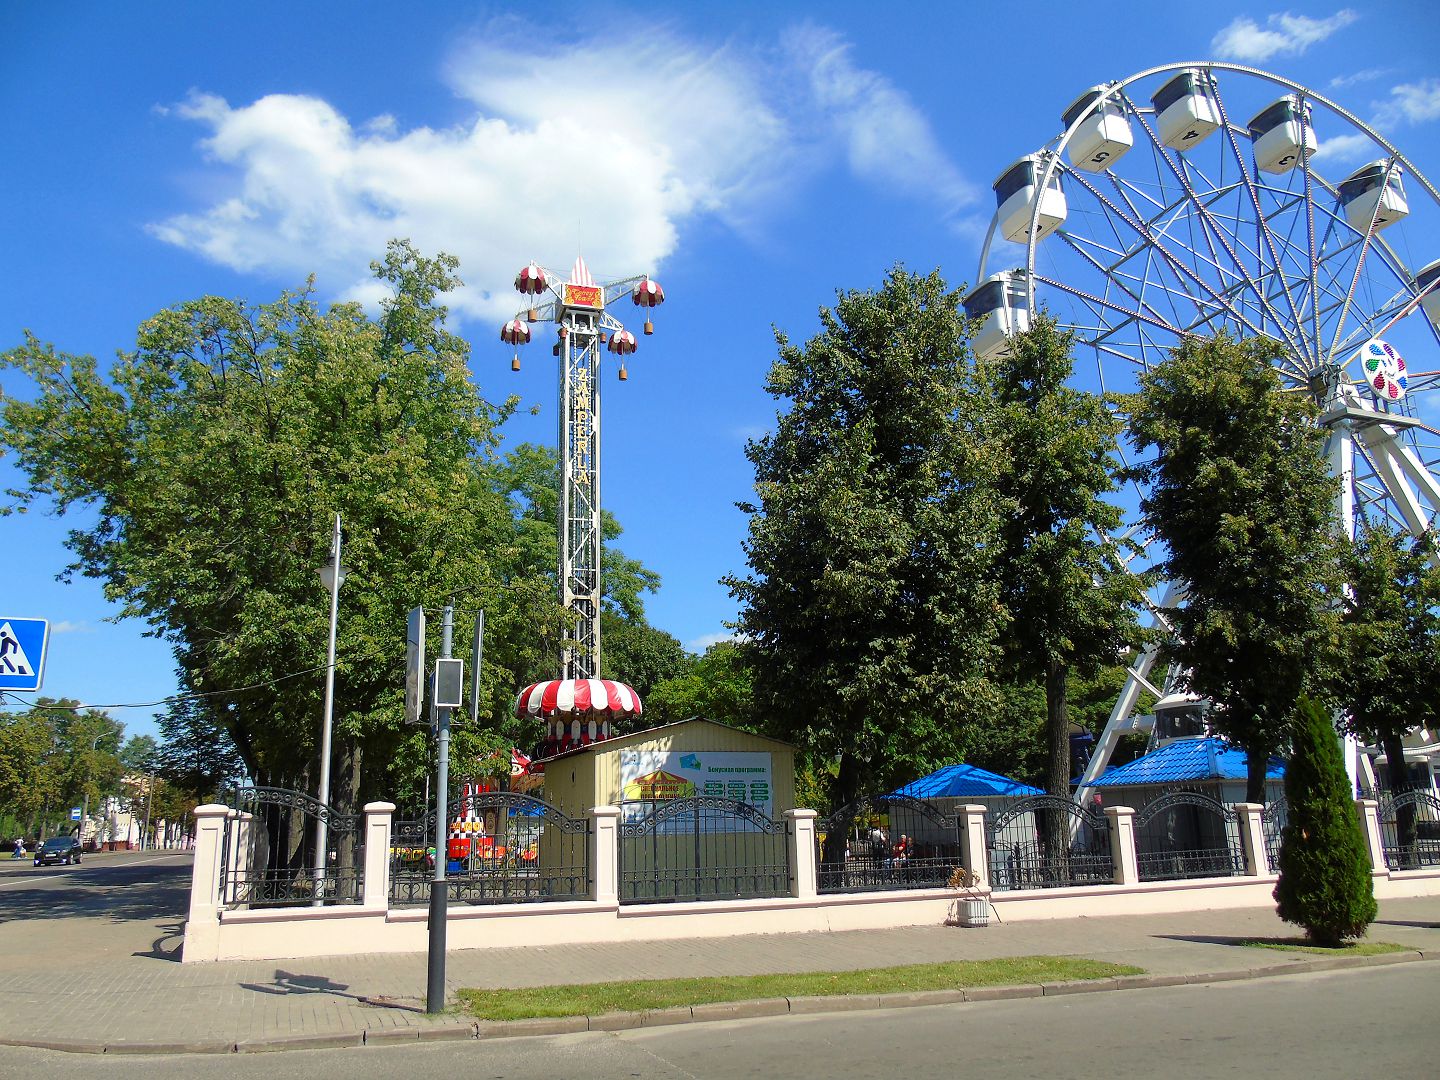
[1193, 198]
[1199, 197]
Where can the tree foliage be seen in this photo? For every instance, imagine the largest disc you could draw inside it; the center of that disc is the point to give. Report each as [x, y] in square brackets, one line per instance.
[1239, 493]
[1072, 604]
[1325, 883]
[716, 685]
[869, 612]
[213, 458]
[55, 755]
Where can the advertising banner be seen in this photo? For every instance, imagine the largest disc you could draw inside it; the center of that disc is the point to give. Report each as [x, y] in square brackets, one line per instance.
[651, 777]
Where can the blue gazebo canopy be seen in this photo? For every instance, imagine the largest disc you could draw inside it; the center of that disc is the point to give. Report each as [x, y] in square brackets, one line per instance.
[964, 781]
[1186, 760]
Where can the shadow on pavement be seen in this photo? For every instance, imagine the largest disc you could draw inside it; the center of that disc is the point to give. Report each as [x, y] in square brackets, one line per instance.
[286, 984]
[1420, 925]
[168, 946]
[120, 893]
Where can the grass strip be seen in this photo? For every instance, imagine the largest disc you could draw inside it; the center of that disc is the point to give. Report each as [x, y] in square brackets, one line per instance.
[641, 995]
[1354, 948]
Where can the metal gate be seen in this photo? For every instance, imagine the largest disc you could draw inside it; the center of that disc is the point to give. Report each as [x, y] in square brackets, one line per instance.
[885, 842]
[1048, 842]
[267, 858]
[522, 850]
[702, 848]
[1410, 829]
[1185, 834]
[1273, 820]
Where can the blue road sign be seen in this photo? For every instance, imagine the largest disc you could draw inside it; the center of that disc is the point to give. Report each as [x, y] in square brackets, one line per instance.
[22, 653]
[74, 813]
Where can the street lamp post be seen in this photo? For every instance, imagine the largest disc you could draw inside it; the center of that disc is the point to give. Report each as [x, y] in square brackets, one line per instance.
[332, 575]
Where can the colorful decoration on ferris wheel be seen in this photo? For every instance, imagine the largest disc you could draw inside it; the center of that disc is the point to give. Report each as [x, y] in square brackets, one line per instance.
[1384, 369]
[531, 281]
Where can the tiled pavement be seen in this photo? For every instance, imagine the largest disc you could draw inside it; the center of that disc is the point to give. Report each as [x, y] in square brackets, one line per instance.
[88, 983]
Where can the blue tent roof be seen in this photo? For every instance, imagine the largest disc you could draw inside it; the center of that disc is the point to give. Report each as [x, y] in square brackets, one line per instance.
[1186, 760]
[964, 781]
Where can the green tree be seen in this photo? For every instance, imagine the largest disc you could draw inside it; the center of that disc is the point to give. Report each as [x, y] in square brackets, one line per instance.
[30, 780]
[1389, 677]
[1072, 603]
[869, 614]
[639, 654]
[717, 686]
[214, 457]
[197, 757]
[1325, 884]
[1239, 493]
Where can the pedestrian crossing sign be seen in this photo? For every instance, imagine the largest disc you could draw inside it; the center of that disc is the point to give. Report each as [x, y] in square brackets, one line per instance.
[22, 653]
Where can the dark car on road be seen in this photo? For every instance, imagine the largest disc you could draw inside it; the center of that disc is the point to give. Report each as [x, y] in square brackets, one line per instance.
[58, 849]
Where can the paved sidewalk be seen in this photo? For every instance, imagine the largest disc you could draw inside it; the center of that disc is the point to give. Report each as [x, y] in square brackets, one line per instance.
[92, 993]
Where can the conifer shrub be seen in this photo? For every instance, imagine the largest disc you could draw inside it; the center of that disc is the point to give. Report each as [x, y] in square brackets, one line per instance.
[1325, 884]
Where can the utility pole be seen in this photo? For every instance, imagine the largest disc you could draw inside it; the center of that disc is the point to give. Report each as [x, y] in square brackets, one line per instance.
[439, 898]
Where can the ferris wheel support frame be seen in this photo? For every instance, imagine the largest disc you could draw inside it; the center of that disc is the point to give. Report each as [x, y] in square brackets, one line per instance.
[1347, 416]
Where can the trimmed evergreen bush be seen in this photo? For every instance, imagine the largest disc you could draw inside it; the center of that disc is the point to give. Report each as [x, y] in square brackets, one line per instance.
[1325, 884]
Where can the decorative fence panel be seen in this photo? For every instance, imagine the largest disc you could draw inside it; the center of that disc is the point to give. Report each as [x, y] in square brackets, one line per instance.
[268, 859]
[885, 842]
[1048, 842]
[1410, 829]
[1186, 834]
[701, 849]
[502, 848]
[1273, 820]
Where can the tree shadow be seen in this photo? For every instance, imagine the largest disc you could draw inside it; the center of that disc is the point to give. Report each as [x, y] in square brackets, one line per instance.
[1419, 924]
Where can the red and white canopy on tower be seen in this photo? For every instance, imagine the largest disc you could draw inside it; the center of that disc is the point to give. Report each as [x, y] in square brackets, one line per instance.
[515, 332]
[602, 698]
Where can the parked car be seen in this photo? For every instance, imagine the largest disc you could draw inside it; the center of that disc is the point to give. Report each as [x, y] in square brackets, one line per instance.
[58, 849]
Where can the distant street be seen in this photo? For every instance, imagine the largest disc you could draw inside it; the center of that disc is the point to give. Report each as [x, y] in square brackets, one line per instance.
[1373, 1022]
[120, 903]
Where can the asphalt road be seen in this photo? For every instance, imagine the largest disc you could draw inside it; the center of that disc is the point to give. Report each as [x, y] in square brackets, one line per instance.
[120, 904]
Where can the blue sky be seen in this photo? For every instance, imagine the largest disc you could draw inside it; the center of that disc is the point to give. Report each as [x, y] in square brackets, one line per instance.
[754, 157]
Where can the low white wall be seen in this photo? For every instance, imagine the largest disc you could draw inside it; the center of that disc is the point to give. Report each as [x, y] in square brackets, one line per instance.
[215, 933]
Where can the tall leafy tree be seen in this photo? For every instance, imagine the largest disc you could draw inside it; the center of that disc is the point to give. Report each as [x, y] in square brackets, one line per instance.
[213, 457]
[1239, 492]
[716, 685]
[869, 613]
[1389, 677]
[1072, 603]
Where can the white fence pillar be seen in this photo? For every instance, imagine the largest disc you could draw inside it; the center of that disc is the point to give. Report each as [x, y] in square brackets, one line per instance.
[1252, 838]
[800, 836]
[972, 843]
[1122, 844]
[605, 854]
[1369, 811]
[202, 925]
[375, 889]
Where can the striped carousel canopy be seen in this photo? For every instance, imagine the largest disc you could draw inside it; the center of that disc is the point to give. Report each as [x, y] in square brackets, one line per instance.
[578, 697]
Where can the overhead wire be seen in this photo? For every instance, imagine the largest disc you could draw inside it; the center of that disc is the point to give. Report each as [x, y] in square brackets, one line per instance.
[167, 700]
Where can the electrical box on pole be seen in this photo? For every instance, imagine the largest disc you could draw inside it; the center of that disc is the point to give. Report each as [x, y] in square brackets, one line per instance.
[414, 665]
[449, 683]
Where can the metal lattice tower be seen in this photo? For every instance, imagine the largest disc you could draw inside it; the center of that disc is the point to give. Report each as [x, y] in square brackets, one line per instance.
[579, 307]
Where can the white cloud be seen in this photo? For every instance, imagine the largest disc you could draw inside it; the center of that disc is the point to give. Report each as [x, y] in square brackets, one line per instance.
[65, 626]
[1409, 103]
[700, 644]
[1340, 82]
[668, 130]
[1346, 148]
[886, 138]
[1282, 35]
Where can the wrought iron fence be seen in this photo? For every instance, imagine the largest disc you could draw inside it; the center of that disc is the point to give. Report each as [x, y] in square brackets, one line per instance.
[1273, 820]
[1410, 829]
[1048, 842]
[1187, 834]
[702, 848]
[884, 842]
[268, 852]
[503, 848]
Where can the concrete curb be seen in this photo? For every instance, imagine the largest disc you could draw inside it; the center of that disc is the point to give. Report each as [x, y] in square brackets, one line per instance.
[726, 1010]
